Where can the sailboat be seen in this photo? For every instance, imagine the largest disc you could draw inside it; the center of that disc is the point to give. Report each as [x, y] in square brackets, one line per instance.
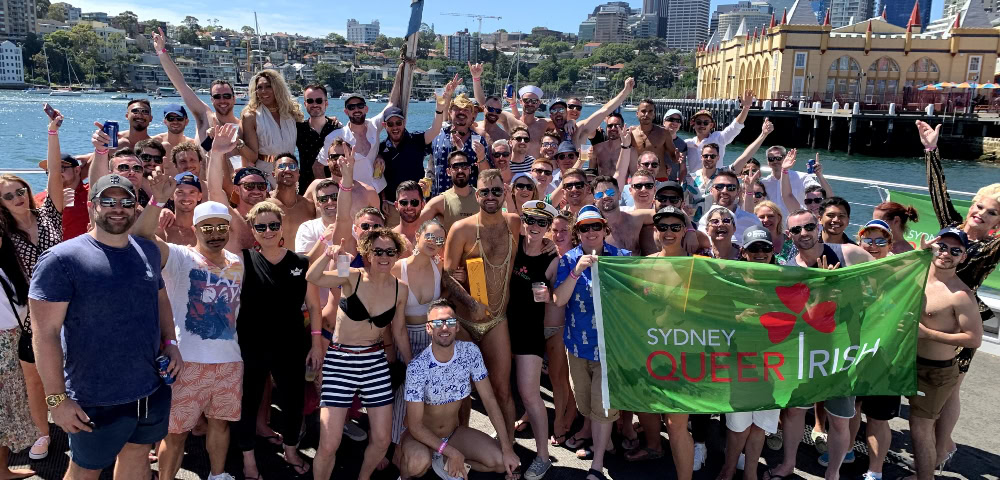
[46, 90]
[92, 89]
[68, 91]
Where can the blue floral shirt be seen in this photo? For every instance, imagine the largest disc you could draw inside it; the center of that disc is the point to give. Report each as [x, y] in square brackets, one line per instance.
[580, 334]
[441, 147]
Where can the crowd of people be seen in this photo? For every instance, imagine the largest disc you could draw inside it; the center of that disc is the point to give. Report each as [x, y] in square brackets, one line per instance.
[191, 283]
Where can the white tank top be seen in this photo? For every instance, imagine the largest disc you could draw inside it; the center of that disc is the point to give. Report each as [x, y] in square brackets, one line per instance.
[413, 307]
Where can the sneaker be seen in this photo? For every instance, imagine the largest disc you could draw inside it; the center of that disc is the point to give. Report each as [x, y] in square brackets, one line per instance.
[40, 449]
[775, 441]
[700, 454]
[221, 476]
[741, 463]
[869, 475]
[824, 459]
[437, 463]
[537, 469]
[354, 432]
[819, 440]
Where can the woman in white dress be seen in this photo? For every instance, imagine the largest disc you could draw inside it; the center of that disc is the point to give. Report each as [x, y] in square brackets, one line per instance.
[270, 117]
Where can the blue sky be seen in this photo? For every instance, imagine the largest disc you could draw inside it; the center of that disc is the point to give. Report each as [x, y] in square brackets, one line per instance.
[307, 17]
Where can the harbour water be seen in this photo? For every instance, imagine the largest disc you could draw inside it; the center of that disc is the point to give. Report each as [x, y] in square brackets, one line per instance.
[23, 138]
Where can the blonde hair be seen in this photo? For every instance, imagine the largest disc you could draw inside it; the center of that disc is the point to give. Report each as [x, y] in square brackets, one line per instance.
[990, 191]
[774, 208]
[286, 104]
[262, 208]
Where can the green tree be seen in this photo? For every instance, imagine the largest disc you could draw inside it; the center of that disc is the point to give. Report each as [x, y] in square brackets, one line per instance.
[57, 12]
[552, 46]
[42, 8]
[397, 42]
[329, 75]
[191, 22]
[381, 42]
[187, 36]
[247, 30]
[612, 53]
[336, 38]
[127, 21]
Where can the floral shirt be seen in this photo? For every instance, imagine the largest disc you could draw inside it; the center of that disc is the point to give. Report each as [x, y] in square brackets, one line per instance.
[49, 234]
[435, 383]
[441, 147]
[580, 334]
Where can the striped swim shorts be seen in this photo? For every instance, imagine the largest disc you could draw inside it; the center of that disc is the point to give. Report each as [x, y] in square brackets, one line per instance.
[346, 373]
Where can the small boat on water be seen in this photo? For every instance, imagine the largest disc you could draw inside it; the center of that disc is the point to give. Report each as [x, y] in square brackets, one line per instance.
[242, 95]
[92, 91]
[38, 91]
[630, 108]
[65, 92]
[163, 92]
[203, 91]
[431, 100]
[121, 96]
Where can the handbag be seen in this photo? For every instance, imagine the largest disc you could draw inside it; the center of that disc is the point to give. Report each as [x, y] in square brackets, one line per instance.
[25, 352]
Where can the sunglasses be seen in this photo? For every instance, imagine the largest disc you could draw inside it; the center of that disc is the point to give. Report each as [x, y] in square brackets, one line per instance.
[673, 227]
[798, 228]
[146, 158]
[541, 171]
[436, 240]
[288, 166]
[758, 194]
[607, 193]
[494, 109]
[702, 123]
[750, 171]
[725, 186]
[720, 221]
[556, 110]
[501, 154]
[441, 322]
[334, 157]
[674, 120]
[810, 201]
[23, 191]
[355, 106]
[590, 227]
[710, 156]
[650, 165]
[571, 156]
[521, 139]
[396, 124]
[316, 101]
[484, 192]
[575, 107]
[108, 202]
[530, 101]
[773, 159]
[370, 226]
[668, 199]
[263, 227]
[326, 198]
[550, 144]
[174, 118]
[124, 168]
[574, 185]
[878, 242]
[413, 202]
[384, 252]
[262, 186]
[641, 186]
[541, 222]
[614, 125]
[210, 229]
[220, 96]
[524, 186]
[140, 111]
[954, 251]
[759, 247]
[461, 166]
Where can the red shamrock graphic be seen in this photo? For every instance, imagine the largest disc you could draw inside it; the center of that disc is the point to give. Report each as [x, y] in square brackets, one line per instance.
[779, 324]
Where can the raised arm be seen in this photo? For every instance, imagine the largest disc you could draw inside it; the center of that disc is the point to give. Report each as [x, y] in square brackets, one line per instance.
[54, 164]
[99, 166]
[476, 71]
[343, 221]
[442, 104]
[627, 159]
[224, 139]
[586, 128]
[163, 187]
[751, 149]
[745, 101]
[818, 171]
[394, 94]
[791, 203]
[433, 208]
[197, 107]
[317, 274]
[940, 199]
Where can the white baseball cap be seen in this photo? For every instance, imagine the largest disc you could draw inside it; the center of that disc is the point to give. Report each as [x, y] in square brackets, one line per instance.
[208, 210]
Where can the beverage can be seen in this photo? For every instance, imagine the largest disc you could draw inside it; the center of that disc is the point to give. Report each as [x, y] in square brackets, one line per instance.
[343, 265]
[811, 166]
[541, 292]
[162, 362]
[426, 185]
[509, 91]
[111, 128]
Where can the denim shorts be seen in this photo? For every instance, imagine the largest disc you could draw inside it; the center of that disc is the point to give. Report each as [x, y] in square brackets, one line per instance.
[141, 422]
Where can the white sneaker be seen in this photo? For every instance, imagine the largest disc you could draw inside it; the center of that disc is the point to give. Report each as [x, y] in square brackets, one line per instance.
[741, 463]
[221, 476]
[700, 454]
[354, 432]
[40, 449]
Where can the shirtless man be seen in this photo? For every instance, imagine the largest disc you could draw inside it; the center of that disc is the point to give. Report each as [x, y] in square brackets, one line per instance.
[364, 194]
[204, 118]
[951, 319]
[531, 97]
[492, 108]
[409, 204]
[648, 137]
[250, 185]
[578, 192]
[296, 208]
[187, 196]
[625, 226]
[457, 202]
[488, 235]
[585, 128]
[606, 153]
[176, 120]
[138, 114]
[187, 157]
[437, 382]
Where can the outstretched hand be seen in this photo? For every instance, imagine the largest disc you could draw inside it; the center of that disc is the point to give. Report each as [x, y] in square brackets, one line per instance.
[161, 184]
[225, 137]
[159, 41]
[475, 70]
[747, 99]
[767, 128]
[928, 136]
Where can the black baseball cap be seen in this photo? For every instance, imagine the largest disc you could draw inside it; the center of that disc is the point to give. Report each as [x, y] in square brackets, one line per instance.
[669, 185]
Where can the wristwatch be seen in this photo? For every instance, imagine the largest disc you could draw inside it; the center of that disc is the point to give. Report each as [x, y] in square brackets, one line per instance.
[53, 401]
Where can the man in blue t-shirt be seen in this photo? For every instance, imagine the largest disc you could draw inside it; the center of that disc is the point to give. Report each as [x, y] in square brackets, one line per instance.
[101, 296]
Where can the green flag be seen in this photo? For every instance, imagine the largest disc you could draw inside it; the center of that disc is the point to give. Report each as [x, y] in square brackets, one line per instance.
[697, 335]
[928, 223]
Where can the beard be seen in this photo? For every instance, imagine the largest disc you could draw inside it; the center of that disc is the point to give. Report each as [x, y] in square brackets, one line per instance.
[359, 120]
[490, 208]
[139, 127]
[105, 224]
[460, 182]
[409, 216]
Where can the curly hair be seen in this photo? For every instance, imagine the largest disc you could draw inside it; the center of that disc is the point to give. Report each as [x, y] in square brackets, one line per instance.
[262, 208]
[366, 244]
[187, 146]
[286, 104]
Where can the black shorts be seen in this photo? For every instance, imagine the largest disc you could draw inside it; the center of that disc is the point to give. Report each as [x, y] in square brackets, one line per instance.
[880, 407]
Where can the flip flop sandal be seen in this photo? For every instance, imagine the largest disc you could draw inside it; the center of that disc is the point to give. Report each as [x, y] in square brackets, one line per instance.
[579, 442]
[521, 425]
[555, 440]
[630, 443]
[300, 468]
[769, 475]
[597, 474]
[643, 454]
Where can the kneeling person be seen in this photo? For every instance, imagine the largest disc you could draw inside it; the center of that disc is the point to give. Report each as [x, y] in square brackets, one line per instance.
[437, 380]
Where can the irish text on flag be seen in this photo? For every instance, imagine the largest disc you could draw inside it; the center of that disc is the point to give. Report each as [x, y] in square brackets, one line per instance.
[705, 336]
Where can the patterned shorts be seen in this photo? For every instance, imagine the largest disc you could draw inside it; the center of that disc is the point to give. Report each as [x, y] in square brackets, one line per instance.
[212, 389]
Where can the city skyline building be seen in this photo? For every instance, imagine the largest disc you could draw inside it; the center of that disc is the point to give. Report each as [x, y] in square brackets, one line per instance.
[686, 24]
[363, 33]
[17, 19]
[897, 12]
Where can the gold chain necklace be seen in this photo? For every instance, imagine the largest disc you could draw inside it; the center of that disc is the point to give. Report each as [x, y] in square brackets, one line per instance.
[496, 275]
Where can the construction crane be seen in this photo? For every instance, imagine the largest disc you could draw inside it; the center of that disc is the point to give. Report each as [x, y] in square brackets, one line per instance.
[473, 15]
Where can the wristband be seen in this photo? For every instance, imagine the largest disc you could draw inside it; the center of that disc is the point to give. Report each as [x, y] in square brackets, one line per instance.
[931, 149]
[573, 275]
[475, 79]
[101, 151]
[164, 50]
[444, 443]
[317, 332]
[53, 132]
[153, 202]
[439, 112]
[784, 170]
[346, 189]
[170, 342]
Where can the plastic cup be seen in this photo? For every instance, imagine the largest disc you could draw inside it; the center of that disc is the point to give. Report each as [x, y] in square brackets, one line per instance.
[541, 292]
[69, 197]
[476, 137]
[310, 374]
[343, 265]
